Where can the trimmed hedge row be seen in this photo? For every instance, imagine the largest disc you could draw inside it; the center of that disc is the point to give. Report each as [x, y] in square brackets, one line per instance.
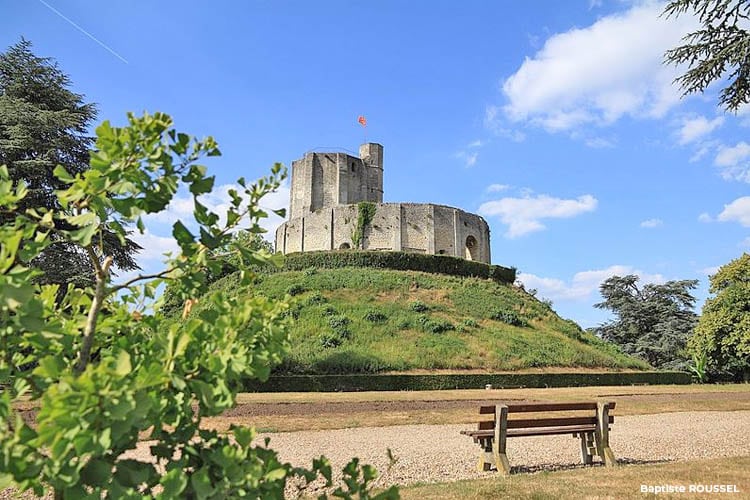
[401, 261]
[353, 383]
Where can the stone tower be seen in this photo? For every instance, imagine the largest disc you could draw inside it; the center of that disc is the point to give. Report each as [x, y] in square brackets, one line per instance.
[321, 180]
[323, 212]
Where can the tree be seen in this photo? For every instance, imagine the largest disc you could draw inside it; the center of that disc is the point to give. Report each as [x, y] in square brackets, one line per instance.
[151, 376]
[723, 331]
[652, 322]
[44, 124]
[719, 50]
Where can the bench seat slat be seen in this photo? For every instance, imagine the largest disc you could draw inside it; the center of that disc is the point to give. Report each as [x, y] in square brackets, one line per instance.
[542, 422]
[553, 422]
[541, 407]
[575, 429]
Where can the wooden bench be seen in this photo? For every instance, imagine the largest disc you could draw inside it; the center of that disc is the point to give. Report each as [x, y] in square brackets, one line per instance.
[591, 427]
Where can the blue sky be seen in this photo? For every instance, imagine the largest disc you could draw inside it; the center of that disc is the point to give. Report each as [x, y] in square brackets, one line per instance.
[557, 122]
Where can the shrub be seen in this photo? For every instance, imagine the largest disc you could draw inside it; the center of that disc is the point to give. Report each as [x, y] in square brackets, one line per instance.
[340, 324]
[330, 340]
[508, 317]
[375, 317]
[329, 311]
[360, 382]
[315, 298]
[295, 289]
[400, 261]
[435, 326]
[469, 322]
[419, 306]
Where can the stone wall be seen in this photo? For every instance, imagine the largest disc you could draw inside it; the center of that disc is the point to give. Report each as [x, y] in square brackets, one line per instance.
[409, 227]
[321, 180]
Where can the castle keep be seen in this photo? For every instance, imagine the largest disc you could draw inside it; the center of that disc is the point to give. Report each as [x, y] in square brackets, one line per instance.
[323, 211]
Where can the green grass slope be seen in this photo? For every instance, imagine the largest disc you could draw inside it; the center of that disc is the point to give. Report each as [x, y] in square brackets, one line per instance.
[365, 320]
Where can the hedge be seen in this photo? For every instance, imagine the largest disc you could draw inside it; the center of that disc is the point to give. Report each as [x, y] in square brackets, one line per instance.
[401, 261]
[351, 383]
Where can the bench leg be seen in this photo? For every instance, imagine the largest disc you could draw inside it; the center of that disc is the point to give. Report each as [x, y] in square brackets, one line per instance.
[602, 435]
[587, 443]
[501, 437]
[486, 458]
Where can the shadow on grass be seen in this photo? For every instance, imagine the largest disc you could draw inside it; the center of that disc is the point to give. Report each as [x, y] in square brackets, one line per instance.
[535, 469]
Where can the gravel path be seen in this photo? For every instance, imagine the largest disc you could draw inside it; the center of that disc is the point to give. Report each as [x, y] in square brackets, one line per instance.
[435, 453]
[438, 453]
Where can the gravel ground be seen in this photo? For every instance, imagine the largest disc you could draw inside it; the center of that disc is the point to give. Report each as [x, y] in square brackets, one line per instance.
[438, 453]
[435, 453]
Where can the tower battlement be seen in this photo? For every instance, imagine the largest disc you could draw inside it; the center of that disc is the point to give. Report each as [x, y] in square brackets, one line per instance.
[322, 180]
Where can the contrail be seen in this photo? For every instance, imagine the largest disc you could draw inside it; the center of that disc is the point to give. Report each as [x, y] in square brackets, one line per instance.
[110, 50]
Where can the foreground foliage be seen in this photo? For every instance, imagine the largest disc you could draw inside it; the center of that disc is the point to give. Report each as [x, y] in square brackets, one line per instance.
[105, 369]
[722, 337]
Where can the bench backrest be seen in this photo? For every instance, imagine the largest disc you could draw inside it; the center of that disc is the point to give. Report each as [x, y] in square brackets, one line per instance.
[579, 418]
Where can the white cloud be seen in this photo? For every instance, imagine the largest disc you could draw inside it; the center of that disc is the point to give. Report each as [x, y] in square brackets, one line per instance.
[600, 73]
[702, 151]
[219, 201]
[704, 217]
[745, 243]
[476, 144]
[496, 188]
[599, 143]
[492, 122]
[738, 210]
[695, 128]
[583, 284]
[652, 223]
[524, 215]
[154, 247]
[471, 159]
[732, 161]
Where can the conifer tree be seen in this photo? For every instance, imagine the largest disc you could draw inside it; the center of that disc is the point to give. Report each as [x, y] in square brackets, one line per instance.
[44, 124]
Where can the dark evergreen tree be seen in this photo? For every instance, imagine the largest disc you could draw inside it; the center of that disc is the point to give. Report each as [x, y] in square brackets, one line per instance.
[44, 124]
[718, 51]
[652, 322]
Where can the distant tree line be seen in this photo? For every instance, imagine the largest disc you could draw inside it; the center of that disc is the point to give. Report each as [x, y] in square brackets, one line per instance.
[657, 322]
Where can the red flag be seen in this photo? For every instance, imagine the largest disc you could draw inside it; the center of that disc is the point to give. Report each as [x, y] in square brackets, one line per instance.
[362, 121]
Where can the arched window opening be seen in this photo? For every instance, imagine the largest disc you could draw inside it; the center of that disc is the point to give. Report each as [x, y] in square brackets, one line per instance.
[471, 248]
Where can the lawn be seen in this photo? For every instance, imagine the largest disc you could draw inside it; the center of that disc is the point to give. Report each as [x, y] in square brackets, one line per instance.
[597, 482]
[281, 412]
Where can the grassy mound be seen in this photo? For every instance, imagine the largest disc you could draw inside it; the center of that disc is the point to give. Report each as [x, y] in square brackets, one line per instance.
[365, 320]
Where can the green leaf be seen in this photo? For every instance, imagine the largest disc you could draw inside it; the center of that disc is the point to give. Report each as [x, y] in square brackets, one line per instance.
[133, 473]
[243, 435]
[275, 474]
[62, 174]
[50, 367]
[201, 482]
[83, 236]
[182, 235]
[96, 472]
[202, 186]
[174, 483]
[123, 366]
